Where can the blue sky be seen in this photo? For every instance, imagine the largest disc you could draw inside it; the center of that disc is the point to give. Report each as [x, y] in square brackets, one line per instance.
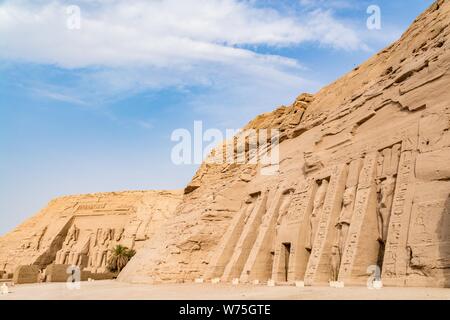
[92, 109]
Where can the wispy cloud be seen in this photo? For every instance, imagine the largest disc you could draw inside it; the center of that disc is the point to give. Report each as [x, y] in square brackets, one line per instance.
[124, 47]
[159, 33]
[335, 4]
[59, 97]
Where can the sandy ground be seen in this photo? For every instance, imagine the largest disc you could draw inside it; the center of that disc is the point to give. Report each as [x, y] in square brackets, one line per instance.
[107, 290]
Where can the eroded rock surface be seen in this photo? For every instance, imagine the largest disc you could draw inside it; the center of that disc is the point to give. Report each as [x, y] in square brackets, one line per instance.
[363, 182]
[362, 190]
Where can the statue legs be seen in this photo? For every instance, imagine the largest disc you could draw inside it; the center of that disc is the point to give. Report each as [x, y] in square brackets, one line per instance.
[343, 232]
[383, 224]
[335, 263]
[61, 256]
[312, 232]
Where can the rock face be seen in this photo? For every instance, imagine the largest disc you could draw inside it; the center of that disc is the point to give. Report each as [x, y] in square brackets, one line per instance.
[80, 230]
[362, 188]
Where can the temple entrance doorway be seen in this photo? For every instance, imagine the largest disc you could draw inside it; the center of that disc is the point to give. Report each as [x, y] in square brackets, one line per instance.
[286, 249]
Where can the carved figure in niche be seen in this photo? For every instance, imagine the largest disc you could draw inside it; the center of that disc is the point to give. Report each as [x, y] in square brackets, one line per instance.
[62, 256]
[335, 262]
[345, 218]
[385, 198]
[319, 200]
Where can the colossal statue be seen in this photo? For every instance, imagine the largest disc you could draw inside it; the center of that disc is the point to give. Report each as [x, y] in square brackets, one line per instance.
[62, 256]
[72, 235]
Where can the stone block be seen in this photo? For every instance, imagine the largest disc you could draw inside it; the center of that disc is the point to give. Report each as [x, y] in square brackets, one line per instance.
[26, 274]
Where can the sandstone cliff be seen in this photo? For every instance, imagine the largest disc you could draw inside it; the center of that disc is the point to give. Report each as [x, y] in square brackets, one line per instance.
[361, 189]
[363, 181]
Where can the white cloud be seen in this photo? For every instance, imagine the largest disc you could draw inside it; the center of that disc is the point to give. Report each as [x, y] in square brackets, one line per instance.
[336, 4]
[59, 96]
[159, 33]
[128, 46]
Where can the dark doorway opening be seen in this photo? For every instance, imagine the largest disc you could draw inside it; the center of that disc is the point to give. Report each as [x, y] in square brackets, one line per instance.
[287, 255]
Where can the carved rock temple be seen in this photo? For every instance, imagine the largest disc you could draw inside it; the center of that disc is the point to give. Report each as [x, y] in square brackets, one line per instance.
[362, 189]
[82, 230]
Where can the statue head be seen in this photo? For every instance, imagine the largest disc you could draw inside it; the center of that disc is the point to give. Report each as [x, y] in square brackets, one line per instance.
[349, 196]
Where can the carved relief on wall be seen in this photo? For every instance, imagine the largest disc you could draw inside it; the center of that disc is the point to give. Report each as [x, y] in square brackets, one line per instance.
[345, 217]
[299, 202]
[388, 162]
[342, 228]
[388, 165]
[385, 196]
[284, 207]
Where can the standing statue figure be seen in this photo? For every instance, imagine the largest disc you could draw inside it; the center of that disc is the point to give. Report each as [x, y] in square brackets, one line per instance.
[319, 200]
[345, 218]
[384, 207]
[335, 263]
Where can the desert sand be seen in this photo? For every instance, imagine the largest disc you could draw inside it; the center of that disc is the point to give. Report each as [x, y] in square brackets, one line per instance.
[111, 290]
